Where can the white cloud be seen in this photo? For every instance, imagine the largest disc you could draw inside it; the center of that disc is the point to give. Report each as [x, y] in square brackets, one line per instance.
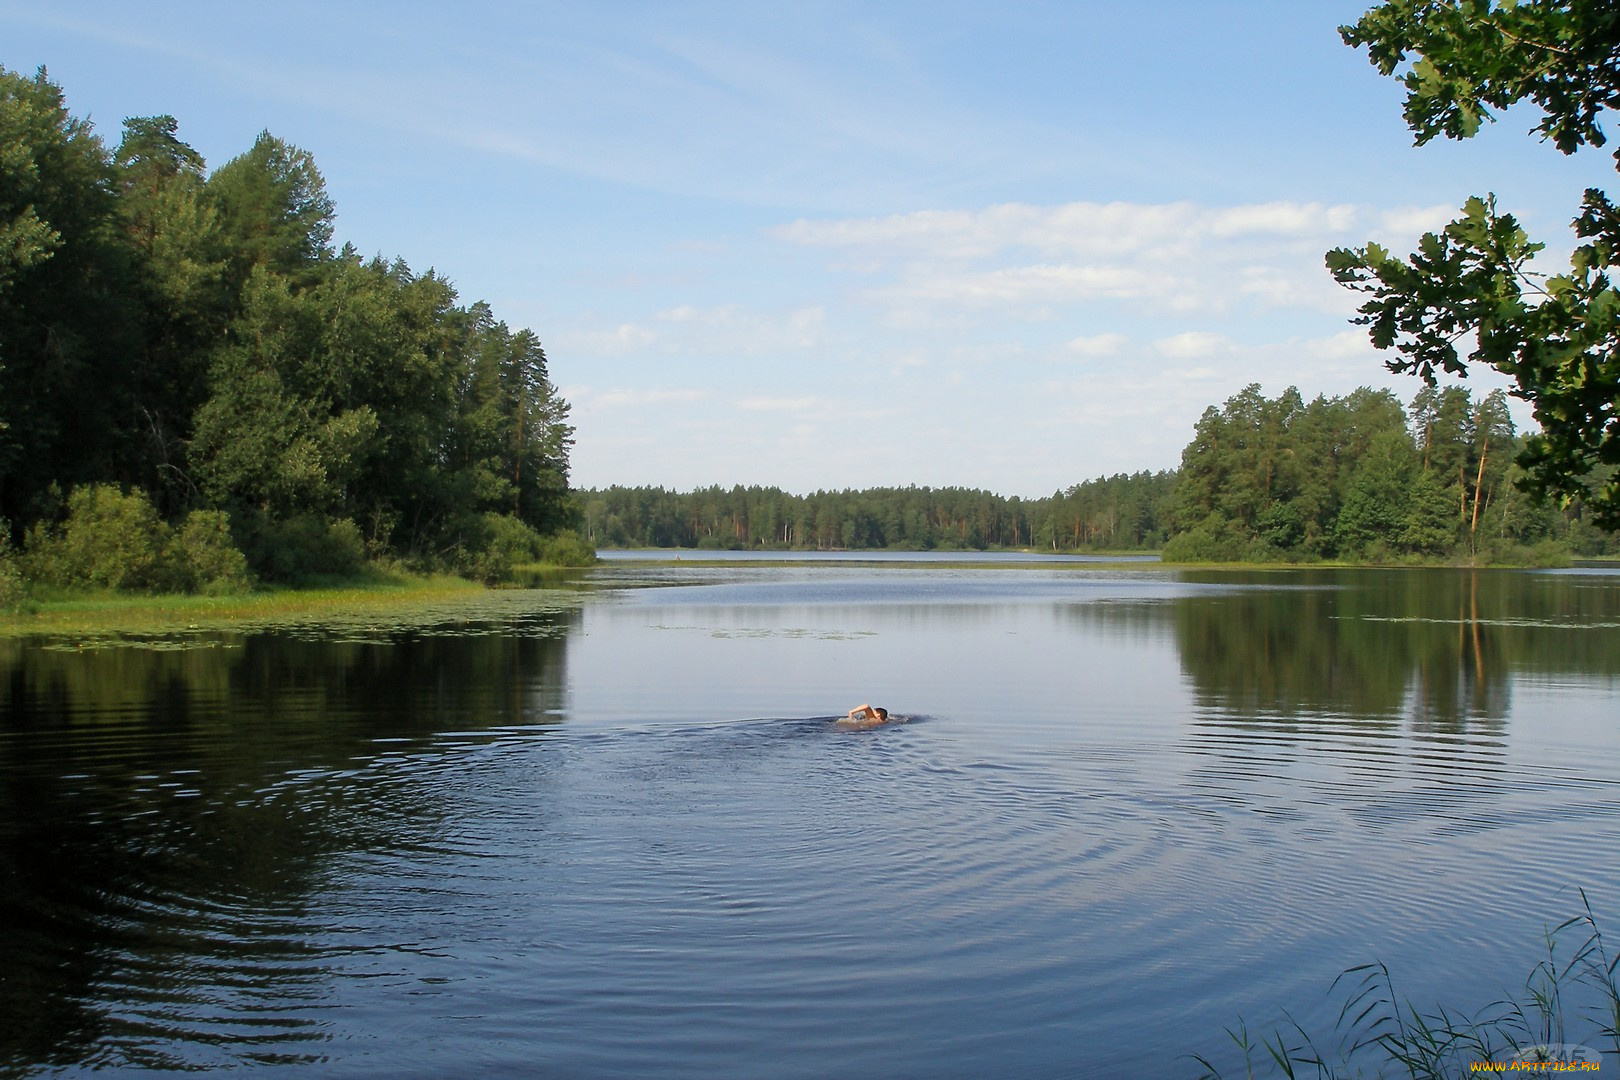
[760, 404]
[1345, 345]
[1114, 229]
[1286, 286]
[728, 330]
[1167, 309]
[619, 399]
[1194, 343]
[1181, 257]
[1406, 224]
[625, 338]
[967, 234]
[1040, 284]
[1282, 219]
[1098, 345]
[735, 330]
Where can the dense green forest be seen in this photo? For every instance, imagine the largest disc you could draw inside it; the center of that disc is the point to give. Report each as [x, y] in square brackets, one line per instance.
[196, 388]
[1361, 478]
[1122, 513]
[1358, 478]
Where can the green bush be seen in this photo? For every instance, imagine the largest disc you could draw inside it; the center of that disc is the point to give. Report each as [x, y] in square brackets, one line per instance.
[1211, 540]
[503, 543]
[1550, 554]
[510, 542]
[11, 582]
[493, 545]
[304, 547]
[109, 540]
[567, 548]
[1504, 551]
[209, 556]
[116, 540]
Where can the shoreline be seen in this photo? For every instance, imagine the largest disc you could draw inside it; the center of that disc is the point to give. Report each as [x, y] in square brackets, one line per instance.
[1082, 559]
[112, 612]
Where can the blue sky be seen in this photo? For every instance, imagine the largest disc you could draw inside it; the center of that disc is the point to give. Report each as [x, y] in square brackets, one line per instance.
[828, 245]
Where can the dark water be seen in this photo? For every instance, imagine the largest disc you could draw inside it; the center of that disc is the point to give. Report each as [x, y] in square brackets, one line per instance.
[612, 832]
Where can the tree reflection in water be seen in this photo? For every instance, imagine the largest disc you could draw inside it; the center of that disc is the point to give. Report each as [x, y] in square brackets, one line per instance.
[167, 811]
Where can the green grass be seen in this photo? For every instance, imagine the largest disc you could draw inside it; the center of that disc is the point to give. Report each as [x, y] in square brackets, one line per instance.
[102, 612]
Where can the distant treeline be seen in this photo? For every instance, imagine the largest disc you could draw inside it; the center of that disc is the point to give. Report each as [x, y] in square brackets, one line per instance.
[1358, 478]
[1122, 513]
[176, 341]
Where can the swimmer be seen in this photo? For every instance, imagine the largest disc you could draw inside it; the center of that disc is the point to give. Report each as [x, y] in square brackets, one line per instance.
[864, 716]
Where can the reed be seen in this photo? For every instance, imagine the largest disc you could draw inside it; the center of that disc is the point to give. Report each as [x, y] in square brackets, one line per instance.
[1569, 1002]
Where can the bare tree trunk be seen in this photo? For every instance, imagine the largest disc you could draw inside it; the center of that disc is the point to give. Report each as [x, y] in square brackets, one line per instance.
[517, 465]
[1479, 482]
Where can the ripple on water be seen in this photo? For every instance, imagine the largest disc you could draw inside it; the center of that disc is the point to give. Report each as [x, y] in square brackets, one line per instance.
[658, 881]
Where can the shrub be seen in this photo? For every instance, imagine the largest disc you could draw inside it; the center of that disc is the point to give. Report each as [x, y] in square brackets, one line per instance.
[204, 549]
[510, 542]
[494, 544]
[109, 540]
[567, 548]
[1211, 540]
[113, 540]
[1550, 553]
[11, 583]
[304, 547]
[505, 543]
[345, 546]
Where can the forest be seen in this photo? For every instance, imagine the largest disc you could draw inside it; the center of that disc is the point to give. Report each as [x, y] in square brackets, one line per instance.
[197, 390]
[1362, 478]
[1119, 513]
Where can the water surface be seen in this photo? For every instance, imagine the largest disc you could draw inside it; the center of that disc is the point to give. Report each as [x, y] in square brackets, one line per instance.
[612, 831]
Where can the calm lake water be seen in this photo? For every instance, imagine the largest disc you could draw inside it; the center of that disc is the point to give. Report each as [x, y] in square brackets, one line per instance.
[609, 830]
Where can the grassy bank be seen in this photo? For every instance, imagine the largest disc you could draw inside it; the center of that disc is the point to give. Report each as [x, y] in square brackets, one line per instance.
[108, 612]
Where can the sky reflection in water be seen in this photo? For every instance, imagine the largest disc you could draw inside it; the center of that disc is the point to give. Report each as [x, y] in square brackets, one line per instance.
[1128, 807]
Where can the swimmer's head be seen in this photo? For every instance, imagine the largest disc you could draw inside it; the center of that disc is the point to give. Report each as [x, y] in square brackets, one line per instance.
[883, 714]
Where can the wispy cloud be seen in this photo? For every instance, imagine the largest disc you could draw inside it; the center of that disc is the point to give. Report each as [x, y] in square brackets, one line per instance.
[622, 339]
[1097, 345]
[1180, 257]
[1039, 284]
[729, 330]
[1193, 343]
[622, 399]
[769, 404]
[1115, 229]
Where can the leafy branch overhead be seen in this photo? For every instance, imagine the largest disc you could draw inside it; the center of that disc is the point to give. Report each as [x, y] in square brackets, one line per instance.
[1468, 295]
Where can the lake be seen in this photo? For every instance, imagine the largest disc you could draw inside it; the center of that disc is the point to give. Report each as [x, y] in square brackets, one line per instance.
[608, 829]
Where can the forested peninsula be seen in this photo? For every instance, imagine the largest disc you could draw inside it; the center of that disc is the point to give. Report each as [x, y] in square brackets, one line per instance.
[197, 392]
